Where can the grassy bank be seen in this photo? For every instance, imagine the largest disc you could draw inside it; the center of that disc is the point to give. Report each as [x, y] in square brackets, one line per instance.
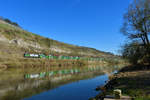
[21, 62]
[134, 81]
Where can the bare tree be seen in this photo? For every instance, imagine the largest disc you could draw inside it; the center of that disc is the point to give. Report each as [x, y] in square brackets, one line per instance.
[136, 24]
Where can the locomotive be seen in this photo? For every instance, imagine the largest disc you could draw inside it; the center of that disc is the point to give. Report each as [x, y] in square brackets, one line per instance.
[34, 55]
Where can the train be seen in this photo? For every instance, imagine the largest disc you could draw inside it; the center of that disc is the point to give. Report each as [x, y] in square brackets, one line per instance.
[62, 57]
[27, 55]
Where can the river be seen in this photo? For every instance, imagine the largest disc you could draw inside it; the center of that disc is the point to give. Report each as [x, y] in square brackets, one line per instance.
[80, 90]
[79, 85]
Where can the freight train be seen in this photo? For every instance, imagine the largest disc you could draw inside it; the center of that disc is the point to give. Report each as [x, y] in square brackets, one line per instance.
[50, 56]
[61, 57]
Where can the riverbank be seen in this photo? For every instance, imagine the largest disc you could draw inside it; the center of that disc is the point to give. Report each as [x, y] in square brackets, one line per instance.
[134, 81]
[20, 62]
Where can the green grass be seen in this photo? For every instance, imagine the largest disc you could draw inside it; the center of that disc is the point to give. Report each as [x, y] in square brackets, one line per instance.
[143, 98]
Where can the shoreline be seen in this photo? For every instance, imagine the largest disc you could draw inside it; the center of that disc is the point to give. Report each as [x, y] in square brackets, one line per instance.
[30, 62]
[133, 81]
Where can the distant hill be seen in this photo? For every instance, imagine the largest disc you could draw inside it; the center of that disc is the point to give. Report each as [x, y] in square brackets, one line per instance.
[15, 40]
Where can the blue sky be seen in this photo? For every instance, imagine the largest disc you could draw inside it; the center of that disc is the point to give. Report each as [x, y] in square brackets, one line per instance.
[90, 23]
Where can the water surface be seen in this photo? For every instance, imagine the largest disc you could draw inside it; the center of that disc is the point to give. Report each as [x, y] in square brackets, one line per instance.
[73, 85]
[80, 90]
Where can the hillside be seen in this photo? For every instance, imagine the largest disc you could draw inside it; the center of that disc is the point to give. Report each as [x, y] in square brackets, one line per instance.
[14, 42]
[34, 43]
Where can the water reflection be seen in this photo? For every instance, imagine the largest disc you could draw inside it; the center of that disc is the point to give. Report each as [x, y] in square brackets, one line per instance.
[81, 90]
[14, 86]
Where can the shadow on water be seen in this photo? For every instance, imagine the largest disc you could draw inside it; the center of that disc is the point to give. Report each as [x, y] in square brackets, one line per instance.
[68, 86]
